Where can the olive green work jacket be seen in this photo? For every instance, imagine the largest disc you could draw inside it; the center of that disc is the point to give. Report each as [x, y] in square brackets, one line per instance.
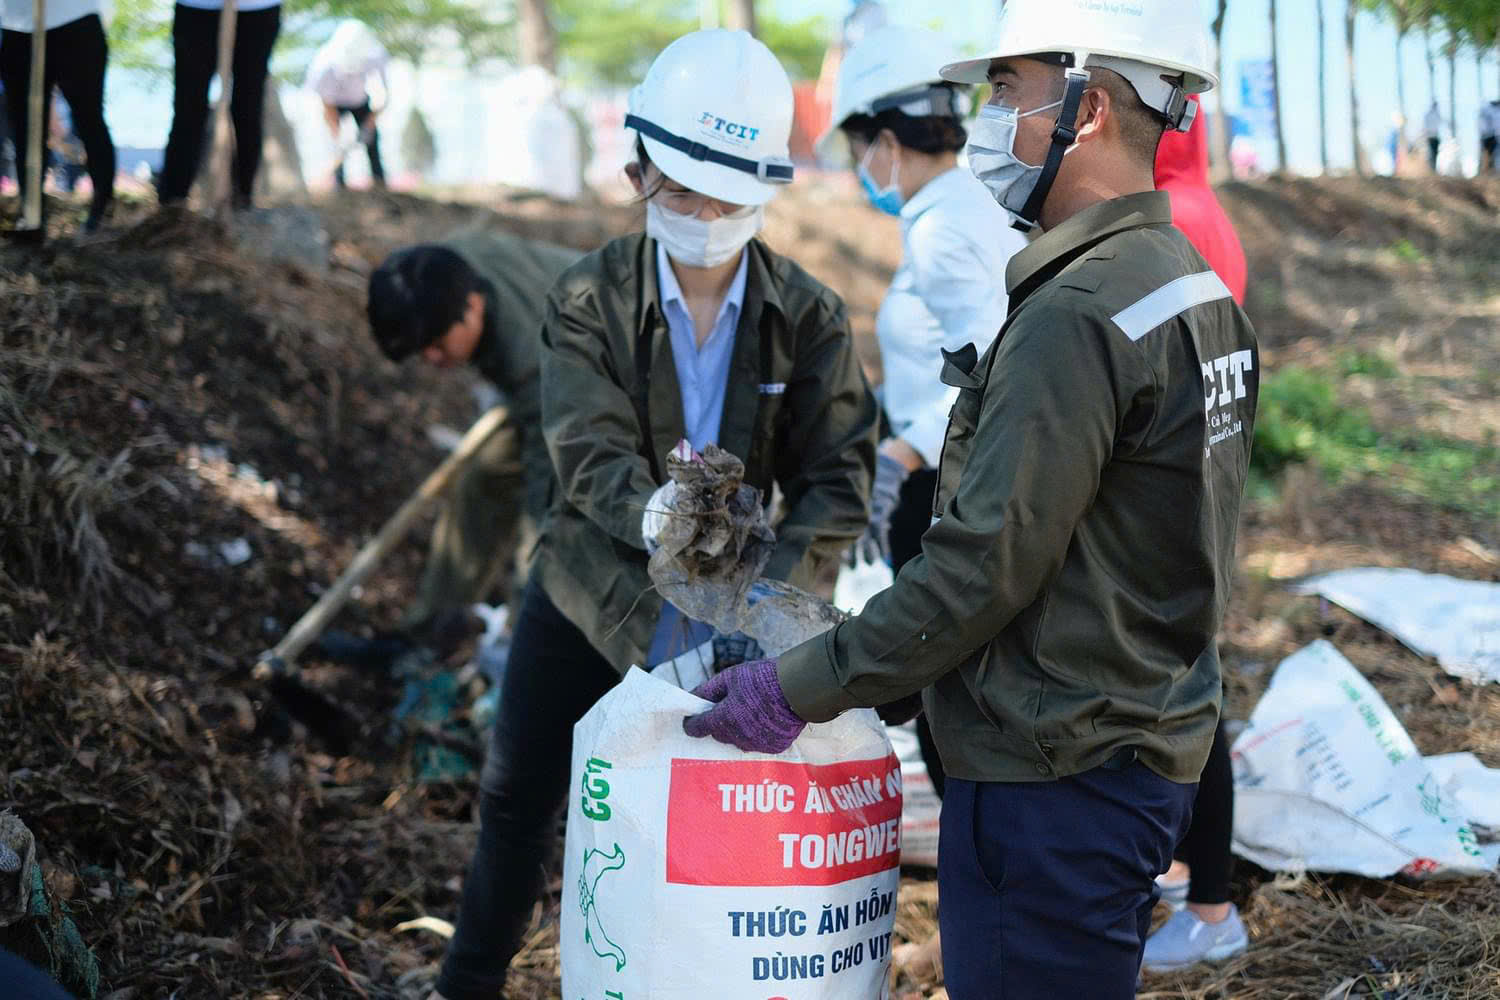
[1066, 601]
[797, 411]
[518, 273]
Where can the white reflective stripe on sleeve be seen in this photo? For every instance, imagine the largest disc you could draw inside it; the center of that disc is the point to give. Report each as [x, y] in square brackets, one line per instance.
[1168, 301]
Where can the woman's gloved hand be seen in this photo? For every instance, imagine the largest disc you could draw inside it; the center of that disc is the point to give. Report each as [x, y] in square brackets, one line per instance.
[890, 476]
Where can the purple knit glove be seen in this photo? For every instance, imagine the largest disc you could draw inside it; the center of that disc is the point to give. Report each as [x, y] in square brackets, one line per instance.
[750, 711]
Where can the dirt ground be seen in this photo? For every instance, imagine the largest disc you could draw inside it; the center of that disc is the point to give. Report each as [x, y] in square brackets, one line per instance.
[168, 402]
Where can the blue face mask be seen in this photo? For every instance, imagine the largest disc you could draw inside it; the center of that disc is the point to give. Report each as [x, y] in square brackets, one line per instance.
[884, 199]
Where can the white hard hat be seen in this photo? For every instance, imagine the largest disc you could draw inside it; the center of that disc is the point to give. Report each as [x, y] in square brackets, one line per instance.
[893, 67]
[715, 114]
[353, 46]
[1142, 40]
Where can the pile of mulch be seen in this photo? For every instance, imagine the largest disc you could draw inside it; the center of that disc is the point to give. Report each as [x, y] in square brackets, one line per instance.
[193, 443]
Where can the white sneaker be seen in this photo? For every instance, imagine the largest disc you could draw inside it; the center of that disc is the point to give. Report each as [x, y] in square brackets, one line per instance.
[1174, 894]
[1184, 940]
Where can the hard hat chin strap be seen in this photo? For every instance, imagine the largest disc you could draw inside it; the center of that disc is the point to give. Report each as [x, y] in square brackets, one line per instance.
[1064, 135]
[770, 170]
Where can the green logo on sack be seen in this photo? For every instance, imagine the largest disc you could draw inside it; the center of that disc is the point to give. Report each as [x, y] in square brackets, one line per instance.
[595, 864]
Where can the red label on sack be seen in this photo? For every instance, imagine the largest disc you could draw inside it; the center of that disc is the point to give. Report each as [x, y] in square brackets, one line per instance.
[770, 822]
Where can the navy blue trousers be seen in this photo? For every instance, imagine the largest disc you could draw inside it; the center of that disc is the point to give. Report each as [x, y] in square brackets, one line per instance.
[1047, 887]
[20, 980]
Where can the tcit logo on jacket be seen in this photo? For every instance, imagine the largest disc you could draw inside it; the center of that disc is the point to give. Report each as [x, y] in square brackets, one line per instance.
[712, 124]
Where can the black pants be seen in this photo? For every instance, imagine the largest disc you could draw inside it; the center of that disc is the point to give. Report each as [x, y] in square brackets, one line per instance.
[195, 47]
[554, 677]
[1487, 158]
[1433, 145]
[1047, 886]
[77, 54]
[1205, 847]
[909, 522]
[371, 142]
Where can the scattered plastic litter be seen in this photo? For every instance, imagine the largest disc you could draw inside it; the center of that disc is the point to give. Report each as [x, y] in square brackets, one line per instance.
[235, 552]
[1455, 621]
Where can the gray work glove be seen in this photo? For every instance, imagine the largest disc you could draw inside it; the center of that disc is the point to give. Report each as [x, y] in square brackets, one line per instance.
[875, 544]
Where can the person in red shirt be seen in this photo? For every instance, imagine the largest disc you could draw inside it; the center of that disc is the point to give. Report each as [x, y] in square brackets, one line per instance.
[1206, 926]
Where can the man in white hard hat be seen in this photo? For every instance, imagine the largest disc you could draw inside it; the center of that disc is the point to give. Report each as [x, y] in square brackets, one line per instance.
[1061, 618]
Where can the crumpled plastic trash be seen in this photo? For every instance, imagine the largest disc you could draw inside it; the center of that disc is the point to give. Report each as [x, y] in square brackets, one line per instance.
[713, 550]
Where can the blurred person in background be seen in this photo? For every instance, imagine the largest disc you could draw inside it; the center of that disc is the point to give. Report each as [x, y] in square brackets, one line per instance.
[1205, 926]
[77, 55]
[340, 74]
[195, 59]
[1432, 127]
[1489, 130]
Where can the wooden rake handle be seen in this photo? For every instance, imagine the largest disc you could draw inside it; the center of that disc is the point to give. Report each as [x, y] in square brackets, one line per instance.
[283, 658]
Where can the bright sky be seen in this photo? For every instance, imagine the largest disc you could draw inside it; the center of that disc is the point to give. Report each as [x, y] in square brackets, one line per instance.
[1247, 36]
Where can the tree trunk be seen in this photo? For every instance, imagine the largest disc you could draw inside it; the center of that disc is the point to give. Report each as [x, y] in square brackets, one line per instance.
[1351, 15]
[281, 168]
[1322, 87]
[538, 37]
[1453, 91]
[1276, 92]
[40, 110]
[741, 15]
[1221, 133]
[1401, 87]
[222, 170]
[1431, 67]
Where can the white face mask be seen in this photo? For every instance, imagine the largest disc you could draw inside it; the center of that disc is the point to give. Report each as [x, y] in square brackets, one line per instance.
[992, 157]
[695, 242]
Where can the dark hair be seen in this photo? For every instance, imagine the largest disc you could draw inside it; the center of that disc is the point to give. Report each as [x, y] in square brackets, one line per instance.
[925, 133]
[1141, 127]
[417, 295]
[643, 160]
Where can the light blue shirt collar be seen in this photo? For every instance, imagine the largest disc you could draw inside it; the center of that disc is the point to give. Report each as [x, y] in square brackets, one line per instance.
[671, 291]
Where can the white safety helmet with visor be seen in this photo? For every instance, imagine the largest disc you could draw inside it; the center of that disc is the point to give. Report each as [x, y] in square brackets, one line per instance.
[1158, 46]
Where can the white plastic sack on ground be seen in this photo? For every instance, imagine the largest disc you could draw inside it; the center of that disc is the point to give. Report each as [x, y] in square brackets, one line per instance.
[920, 806]
[1473, 786]
[1455, 621]
[1327, 779]
[694, 870]
[858, 583]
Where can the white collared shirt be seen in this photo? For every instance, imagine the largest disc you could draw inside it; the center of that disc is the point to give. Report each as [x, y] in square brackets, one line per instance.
[340, 87]
[59, 12]
[949, 291]
[702, 372]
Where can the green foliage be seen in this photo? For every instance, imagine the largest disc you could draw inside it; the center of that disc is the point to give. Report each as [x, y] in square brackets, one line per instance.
[1407, 251]
[613, 41]
[1372, 365]
[1301, 419]
[409, 28]
[798, 44]
[140, 36]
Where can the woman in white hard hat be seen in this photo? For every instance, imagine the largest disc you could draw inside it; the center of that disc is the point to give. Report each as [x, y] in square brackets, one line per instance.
[691, 330]
[904, 128]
